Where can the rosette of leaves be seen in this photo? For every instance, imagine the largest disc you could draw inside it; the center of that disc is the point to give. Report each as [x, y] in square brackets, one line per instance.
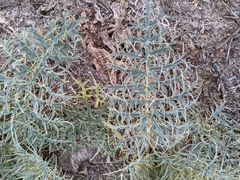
[156, 122]
[32, 98]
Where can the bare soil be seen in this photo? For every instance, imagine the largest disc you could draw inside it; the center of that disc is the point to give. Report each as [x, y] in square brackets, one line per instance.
[209, 30]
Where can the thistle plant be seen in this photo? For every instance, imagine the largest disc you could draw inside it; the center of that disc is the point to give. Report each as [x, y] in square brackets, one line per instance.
[89, 116]
[156, 122]
[153, 122]
[32, 100]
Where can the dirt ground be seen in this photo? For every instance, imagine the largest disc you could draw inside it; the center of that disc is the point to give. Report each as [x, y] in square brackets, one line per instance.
[208, 29]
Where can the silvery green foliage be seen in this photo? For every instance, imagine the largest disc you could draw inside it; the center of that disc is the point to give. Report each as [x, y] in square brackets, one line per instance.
[32, 98]
[152, 103]
[156, 122]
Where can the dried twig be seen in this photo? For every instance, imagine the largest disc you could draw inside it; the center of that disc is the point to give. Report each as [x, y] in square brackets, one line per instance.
[229, 47]
[8, 5]
[226, 81]
[199, 67]
[232, 36]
